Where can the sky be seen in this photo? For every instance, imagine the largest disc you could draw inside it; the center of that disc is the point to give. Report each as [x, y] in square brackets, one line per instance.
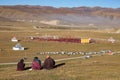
[65, 3]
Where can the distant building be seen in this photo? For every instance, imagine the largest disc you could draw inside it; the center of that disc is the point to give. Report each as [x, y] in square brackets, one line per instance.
[85, 40]
[14, 39]
[111, 39]
[18, 47]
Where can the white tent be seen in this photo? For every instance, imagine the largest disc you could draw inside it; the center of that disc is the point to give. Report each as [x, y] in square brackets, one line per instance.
[14, 39]
[18, 47]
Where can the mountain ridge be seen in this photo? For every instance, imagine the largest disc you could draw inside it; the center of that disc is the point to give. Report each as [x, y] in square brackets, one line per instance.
[75, 16]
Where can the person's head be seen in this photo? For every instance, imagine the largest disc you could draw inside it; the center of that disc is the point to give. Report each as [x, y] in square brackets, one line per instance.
[47, 56]
[35, 58]
[21, 60]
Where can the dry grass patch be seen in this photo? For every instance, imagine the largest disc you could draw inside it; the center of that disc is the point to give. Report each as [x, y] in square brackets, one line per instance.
[96, 68]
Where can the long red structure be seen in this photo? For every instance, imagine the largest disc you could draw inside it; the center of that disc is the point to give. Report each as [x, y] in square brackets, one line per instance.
[73, 40]
[60, 39]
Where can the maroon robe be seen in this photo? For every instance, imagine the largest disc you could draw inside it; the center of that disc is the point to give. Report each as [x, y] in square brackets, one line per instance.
[49, 63]
[21, 65]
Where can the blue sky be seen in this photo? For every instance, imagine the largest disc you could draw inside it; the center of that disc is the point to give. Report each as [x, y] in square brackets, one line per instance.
[64, 3]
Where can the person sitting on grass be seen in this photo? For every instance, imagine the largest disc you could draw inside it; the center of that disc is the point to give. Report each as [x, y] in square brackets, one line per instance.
[36, 64]
[49, 63]
[21, 65]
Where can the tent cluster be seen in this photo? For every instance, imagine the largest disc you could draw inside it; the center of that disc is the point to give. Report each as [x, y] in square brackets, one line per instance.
[102, 52]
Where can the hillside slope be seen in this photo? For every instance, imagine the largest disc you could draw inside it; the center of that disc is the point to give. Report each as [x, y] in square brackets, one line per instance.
[95, 17]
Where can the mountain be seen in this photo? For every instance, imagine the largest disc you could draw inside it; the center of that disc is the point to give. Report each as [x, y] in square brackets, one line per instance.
[96, 17]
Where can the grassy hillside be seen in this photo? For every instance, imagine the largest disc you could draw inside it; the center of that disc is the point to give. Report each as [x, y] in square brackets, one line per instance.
[96, 68]
[36, 46]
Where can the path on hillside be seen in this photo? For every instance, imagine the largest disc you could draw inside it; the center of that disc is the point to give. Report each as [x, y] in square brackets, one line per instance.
[82, 57]
[64, 59]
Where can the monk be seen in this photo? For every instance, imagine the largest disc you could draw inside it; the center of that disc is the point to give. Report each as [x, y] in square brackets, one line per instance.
[49, 63]
[21, 65]
[36, 64]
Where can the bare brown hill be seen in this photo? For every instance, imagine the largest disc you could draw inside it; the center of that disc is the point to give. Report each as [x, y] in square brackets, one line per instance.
[96, 17]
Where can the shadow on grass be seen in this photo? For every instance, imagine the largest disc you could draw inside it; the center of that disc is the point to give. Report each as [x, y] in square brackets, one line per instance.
[58, 65]
[26, 48]
[27, 68]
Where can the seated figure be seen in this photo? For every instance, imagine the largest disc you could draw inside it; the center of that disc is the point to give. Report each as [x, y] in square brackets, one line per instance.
[49, 63]
[36, 64]
[21, 65]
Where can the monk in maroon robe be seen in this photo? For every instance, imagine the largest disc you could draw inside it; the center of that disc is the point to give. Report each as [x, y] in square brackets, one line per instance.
[21, 65]
[49, 63]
